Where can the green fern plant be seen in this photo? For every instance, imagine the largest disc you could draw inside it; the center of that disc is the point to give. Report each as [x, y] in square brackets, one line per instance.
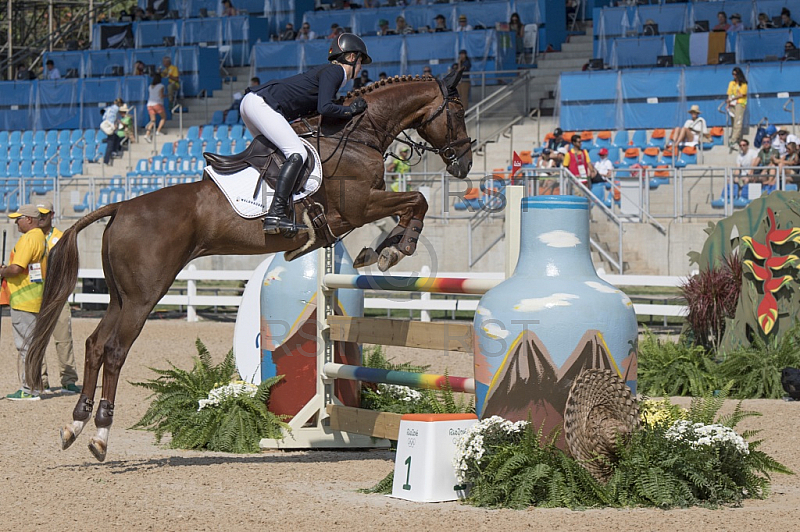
[756, 370]
[669, 368]
[236, 424]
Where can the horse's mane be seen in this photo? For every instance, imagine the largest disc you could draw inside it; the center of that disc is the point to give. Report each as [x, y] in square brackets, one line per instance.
[388, 81]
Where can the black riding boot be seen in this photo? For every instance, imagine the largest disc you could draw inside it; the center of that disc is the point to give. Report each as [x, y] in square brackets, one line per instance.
[277, 219]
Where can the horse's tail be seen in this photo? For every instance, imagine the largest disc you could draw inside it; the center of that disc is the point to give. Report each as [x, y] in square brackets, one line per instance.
[61, 276]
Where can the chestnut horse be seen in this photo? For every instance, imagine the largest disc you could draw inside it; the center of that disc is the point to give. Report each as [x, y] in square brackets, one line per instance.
[151, 238]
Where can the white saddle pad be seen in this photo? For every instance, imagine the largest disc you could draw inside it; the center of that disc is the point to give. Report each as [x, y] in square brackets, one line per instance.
[239, 187]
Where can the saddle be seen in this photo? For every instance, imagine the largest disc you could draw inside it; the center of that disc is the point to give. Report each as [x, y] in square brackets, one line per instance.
[262, 155]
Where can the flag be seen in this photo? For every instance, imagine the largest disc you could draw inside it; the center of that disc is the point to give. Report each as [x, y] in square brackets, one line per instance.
[702, 48]
[516, 164]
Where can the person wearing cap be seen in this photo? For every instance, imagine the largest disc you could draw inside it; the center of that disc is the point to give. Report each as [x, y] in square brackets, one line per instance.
[693, 128]
[578, 163]
[557, 141]
[383, 27]
[399, 168]
[62, 334]
[465, 65]
[23, 286]
[362, 81]
[604, 167]
[268, 108]
[462, 24]
[736, 23]
[779, 141]
[439, 24]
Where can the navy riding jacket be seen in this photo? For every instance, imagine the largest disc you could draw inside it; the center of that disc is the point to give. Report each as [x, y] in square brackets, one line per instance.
[305, 93]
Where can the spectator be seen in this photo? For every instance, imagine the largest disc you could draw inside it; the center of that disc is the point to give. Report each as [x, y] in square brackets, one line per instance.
[578, 162]
[138, 69]
[767, 160]
[779, 141]
[362, 81]
[736, 23]
[547, 185]
[786, 19]
[336, 30]
[51, 72]
[138, 14]
[381, 76]
[171, 74]
[426, 71]
[383, 27]
[155, 106]
[288, 33]
[604, 167]
[557, 141]
[401, 27]
[462, 24]
[465, 65]
[110, 112]
[789, 163]
[722, 22]
[571, 8]
[255, 82]
[150, 14]
[693, 129]
[24, 74]
[516, 26]
[400, 168]
[113, 140]
[439, 24]
[125, 129]
[737, 101]
[764, 22]
[746, 159]
[305, 33]
[23, 283]
[559, 155]
[788, 47]
[62, 334]
[228, 10]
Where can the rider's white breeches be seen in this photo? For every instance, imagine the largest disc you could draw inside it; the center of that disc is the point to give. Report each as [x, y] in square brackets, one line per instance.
[261, 119]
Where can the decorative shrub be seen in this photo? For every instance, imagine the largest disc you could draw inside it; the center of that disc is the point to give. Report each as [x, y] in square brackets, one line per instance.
[670, 368]
[206, 408]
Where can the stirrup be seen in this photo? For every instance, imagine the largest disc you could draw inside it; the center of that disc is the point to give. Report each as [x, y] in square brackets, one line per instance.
[274, 225]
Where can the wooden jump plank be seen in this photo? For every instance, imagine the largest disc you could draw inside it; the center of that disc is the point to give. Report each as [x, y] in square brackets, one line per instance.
[365, 422]
[442, 336]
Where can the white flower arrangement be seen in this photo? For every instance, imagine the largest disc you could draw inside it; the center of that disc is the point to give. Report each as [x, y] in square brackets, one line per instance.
[699, 434]
[401, 393]
[232, 389]
[472, 446]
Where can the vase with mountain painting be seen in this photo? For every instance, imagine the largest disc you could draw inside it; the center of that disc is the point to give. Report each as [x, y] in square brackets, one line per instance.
[554, 317]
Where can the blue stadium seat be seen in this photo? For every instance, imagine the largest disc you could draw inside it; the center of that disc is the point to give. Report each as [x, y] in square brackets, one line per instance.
[166, 150]
[13, 152]
[232, 117]
[38, 168]
[50, 151]
[157, 167]
[196, 151]
[86, 205]
[75, 136]
[651, 159]
[38, 152]
[3, 173]
[639, 139]
[15, 138]
[76, 167]
[26, 153]
[25, 169]
[39, 138]
[193, 133]
[620, 140]
[182, 150]
[52, 137]
[63, 137]
[12, 200]
[216, 118]
[207, 134]
[27, 138]
[13, 168]
[4, 137]
[686, 158]
[631, 156]
[221, 133]
[236, 132]
[63, 168]
[224, 147]
[171, 166]
[659, 141]
[91, 153]
[185, 167]
[594, 155]
[246, 135]
[76, 153]
[89, 137]
[51, 169]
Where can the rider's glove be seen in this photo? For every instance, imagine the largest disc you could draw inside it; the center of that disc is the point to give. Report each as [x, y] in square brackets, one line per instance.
[358, 106]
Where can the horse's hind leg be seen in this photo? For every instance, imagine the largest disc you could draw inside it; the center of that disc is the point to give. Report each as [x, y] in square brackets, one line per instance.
[94, 360]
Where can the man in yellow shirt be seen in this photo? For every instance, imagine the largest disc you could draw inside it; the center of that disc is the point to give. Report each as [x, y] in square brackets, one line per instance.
[62, 334]
[171, 75]
[23, 279]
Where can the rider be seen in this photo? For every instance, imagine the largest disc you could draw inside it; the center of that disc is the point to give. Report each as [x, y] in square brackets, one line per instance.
[267, 109]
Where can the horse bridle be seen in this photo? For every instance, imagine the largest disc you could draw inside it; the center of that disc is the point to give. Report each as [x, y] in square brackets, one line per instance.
[448, 151]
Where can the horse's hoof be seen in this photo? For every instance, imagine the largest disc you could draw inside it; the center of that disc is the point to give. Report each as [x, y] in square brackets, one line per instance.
[67, 438]
[367, 257]
[388, 258]
[98, 449]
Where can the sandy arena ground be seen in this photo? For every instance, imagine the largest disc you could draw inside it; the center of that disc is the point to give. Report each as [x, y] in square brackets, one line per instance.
[147, 487]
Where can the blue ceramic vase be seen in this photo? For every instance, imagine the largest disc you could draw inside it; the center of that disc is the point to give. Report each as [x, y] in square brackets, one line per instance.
[536, 331]
[289, 331]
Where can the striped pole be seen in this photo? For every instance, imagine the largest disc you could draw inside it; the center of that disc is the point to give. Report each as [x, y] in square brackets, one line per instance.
[410, 284]
[425, 381]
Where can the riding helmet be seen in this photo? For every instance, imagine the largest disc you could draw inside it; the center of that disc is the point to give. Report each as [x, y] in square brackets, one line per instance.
[346, 43]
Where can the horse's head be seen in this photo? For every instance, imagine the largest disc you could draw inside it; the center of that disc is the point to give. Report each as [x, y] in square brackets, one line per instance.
[444, 128]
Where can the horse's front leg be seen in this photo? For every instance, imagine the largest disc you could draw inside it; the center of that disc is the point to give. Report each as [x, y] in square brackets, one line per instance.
[402, 240]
